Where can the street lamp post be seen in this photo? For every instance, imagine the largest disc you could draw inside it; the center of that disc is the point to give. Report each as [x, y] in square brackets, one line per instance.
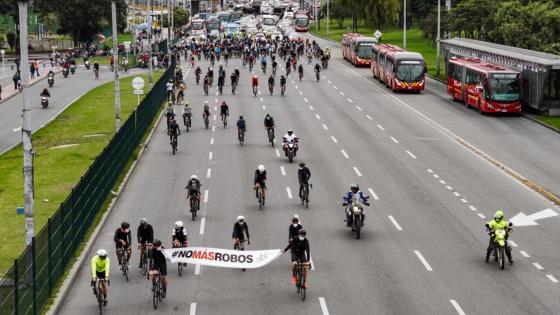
[150, 29]
[54, 56]
[3, 52]
[328, 16]
[404, 25]
[116, 60]
[438, 36]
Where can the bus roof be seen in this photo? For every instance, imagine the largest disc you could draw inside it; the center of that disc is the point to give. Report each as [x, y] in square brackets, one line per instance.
[407, 55]
[479, 66]
[360, 38]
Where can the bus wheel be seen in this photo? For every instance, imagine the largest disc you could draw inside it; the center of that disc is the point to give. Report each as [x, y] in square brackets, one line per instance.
[480, 109]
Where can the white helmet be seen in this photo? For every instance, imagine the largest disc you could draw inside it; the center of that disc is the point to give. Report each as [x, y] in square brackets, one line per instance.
[261, 168]
[205, 102]
[193, 177]
[295, 216]
[179, 224]
[102, 253]
[240, 218]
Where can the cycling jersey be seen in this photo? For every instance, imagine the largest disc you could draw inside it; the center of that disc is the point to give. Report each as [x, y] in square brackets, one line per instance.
[239, 231]
[159, 262]
[100, 267]
[121, 235]
[145, 234]
[260, 178]
[179, 234]
[300, 249]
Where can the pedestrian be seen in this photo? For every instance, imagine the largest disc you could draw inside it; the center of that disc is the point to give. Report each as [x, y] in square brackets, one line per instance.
[17, 64]
[36, 64]
[32, 70]
[16, 79]
[0, 92]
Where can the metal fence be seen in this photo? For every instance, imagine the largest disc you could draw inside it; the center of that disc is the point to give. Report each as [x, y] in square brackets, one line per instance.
[28, 285]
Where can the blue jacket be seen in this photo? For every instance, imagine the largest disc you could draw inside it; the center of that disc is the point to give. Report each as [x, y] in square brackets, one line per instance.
[347, 199]
[241, 124]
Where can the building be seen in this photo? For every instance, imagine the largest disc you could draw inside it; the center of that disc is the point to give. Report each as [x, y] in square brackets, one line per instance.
[541, 71]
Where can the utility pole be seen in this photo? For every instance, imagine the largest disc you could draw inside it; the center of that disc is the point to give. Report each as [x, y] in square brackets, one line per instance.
[328, 16]
[438, 36]
[168, 23]
[404, 25]
[150, 23]
[116, 60]
[172, 19]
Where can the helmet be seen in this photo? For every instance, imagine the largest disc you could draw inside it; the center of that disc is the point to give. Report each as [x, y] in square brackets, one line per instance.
[125, 225]
[178, 224]
[302, 232]
[240, 218]
[157, 243]
[354, 187]
[187, 103]
[295, 218]
[205, 102]
[290, 131]
[193, 177]
[143, 221]
[499, 215]
[223, 102]
[261, 168]
[301, 164]
[240, 117]
[102, 253]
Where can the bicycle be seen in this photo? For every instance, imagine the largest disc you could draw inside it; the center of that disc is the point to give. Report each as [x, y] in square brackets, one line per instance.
[174, 144]
[146, 261]
[206, 89]
[157, 289]
[304, 196]
[241, 136]
[206, 120]
[233, 87]
[270, 88]
[220, 88]
[255, 90]
[98, 292]
[96, 71]
[300, 76]
[300, 285]
[195, 206]
[270, 132]
[239, 246]
[283, 89]
[260, 197]
[124, 262]
[224, 119]
[187, 121]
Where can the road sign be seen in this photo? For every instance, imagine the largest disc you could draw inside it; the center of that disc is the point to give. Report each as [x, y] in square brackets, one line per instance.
[377, 34]
[138, 83]
[138, 92]
[20, 210]
[521, 219]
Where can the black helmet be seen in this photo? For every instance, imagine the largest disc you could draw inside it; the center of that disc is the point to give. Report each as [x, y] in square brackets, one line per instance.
[302, 232]
[301, 164]
[157, 243]
[240, 117]
[125, 225]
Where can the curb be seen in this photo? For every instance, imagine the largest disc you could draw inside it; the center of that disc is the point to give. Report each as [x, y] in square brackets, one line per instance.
[532, 118]
[79, 263]
[19, 92]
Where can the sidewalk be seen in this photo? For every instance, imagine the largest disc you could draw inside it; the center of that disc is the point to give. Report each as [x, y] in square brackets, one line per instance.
[8, 90]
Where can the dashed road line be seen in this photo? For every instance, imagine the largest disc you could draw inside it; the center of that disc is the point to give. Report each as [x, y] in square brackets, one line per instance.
[202, 224]
[323, 304]
[325, 127]
[430, 170]
[344, 153]
[300, 93]
[317, 116]
[289, 191]
[442, 182]
[436, 175]
[311, 107]
[472, 208]
[210, 155]
[538, 266]
[214, 118]
[206, 196]
[213, 128]
[380, 127]
[262, 99]
[449, 187]
[334, 139]
[482, 216]
[350, 100]
[277, 153]
[463, 200]
[394, 140]
[369, 117]
[551, 278]
[297, 87]
[193, 309]
[341, 93]
[263, 107]
[282, 170]
[329, 82]
[208, 172]
[197, 270]
[373, 194]
[311, 262]
[357, 171]
[524, 254]
[423, 260]
[212, 140]
[395, 223]
[457, 307]
[305, 99]
[512, 243]
[358, 108]
[457, 194]
[334, 86]
[411, 155]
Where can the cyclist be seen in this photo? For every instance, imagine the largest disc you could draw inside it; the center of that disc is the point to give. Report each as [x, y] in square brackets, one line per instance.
[100, 267]
[123, 240]
[263, 64]
[224, 111]
[197, 73]
[300, 251]
[304, 174]
[169, 114]
[260, 181]
[269, 123]
[240, 228]
[317, 68]
[174, 130]
[169, 87]
[255, 82]
[221, 81]
[271, 83]
[300, 72]
[145, 236]
[274, 66]
[283, 82]
[241, 126]
[179, 235]
[206, 110]
[187, 113]
[193, 187]
[181, 93]
[294, 228]
[159, 264]
[96, 69]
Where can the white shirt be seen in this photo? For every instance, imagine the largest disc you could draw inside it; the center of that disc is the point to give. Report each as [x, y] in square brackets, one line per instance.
[291, 138]
[169, 86]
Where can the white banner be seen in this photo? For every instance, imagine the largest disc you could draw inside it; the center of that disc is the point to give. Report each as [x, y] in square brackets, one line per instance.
[218, 257]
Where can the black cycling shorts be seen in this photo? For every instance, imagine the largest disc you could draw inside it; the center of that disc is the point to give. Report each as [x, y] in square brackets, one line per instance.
[301, 257]
[263, 184]
[118, 245]
[100, 275]
[162, 269]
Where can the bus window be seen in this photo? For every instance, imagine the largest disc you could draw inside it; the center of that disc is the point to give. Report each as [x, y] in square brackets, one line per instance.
[458, 73]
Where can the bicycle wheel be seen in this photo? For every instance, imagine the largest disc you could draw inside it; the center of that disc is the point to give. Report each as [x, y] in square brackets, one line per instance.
[180, 269]
[145, 264]
[306, 197]
[99, 299]
[155, 295]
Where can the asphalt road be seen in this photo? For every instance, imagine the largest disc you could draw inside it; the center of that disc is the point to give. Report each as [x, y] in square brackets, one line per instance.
[423, 246]
[63, 93]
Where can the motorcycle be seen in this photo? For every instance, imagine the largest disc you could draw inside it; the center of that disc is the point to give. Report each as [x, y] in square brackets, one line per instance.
[356, 216]
[499, 246]
[87, 64]
[65, 72]
[290, 148]
[50, 80]
[72, 69]
[44, 101]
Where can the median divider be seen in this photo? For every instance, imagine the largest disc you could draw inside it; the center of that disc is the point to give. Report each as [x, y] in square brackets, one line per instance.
[28, 285]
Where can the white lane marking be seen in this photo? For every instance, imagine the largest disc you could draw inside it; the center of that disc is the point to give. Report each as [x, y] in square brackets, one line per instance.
[293, 82]
[197, 270]
[463, 200]
[429, 170]
[305, 99]
[277, 153]
[395, 223]
[369, 117]
[214, 118]
[206, 196]
[329, 82]
[524, 253]
[457, 307]
[212, 140]
[324, 77]
[350, 100]
[297, 87]
[394, 140]
[551, 277]
[311, 107]
[334, 139]
[208, 172]
[325, 127]
[457, 194]
[512, 243]
[311, 262]
[442, 182]
[538, 266]
[215, 101]
[436, 175]
[300, 93]
[373, 194]
[380, 127]
[202, 224]
[341, 93]
[358, 108]
[472, 208]
[289, 191]
[323, 306]
[411, 155]
[213, 128]
[216, 107]
[283, 170]
[317, 116]
[423, 260]
[344, 153]
[482, 216]
[334, 86]
[357, 171]
[449, 187]
[16, 129]
[193, 309]
[263, 107]
[210, 155]
[261, 99]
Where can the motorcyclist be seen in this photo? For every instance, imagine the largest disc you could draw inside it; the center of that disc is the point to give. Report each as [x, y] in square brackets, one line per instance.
[45, 92]
[304, 174]
[353, 195]
[498, 223]
[290, 137]
[260, 181]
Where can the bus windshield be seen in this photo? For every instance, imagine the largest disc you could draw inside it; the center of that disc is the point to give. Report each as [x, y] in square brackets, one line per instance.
[505, 87]
[410, 70]
[197, 26]
[302, 21]
[235, 16]
[223, 17]
[214, 25]
[365, 50]
[268, 21]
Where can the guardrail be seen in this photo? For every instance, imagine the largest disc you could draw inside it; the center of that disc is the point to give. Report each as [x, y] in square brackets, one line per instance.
[28, 285]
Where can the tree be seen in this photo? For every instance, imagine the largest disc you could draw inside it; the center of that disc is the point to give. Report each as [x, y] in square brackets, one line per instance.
[180, 17]
[338, 12]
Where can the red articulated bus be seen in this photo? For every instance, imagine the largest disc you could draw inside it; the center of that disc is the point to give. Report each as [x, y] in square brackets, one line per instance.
[345, 44]
[487, 87]
[361, 50]
[301, 22]
[400, 70]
